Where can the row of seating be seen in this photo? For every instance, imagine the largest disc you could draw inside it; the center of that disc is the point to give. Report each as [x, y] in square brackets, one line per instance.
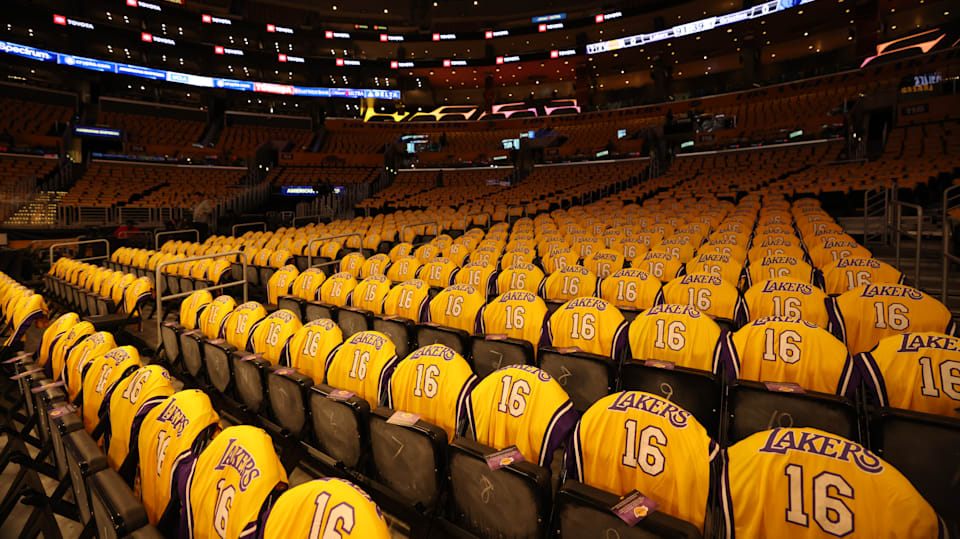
[119, 424]
[283, 392]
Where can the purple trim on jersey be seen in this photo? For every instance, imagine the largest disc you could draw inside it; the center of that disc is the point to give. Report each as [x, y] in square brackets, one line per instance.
[835, 320]
[548, 332]
[25, 324]
[942, 531]
[285, 353]
[740, 313]
[680, 272]
[481, 326]
[328, 361]
[542, 288]
[138, 418]
[389, 403]
[726, 503]
[462, 400]
[817, 279]
[183, 479]
[620, 340]
[713, 450]
[659, 300]
[953, 329]
[557, 432]
[48, 366]
[871, 375]
[471, 420]
[725, 356]
[846, 386]
[383, 385]
[574, 456]
[902, 280]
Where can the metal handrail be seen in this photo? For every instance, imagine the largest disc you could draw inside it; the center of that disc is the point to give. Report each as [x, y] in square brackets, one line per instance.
[156, 238]
[233, 231]
[161, 297]
[883, 197]
[325, 238]
[83, 242]
[302, 217]
[404, 227]
[951, 193]
[898, 228]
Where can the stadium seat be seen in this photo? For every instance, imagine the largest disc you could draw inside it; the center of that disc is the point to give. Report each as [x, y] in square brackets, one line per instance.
[582, 512]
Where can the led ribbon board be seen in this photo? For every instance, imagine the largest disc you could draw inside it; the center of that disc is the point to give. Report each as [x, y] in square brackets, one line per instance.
[104, 66]
[695, 27]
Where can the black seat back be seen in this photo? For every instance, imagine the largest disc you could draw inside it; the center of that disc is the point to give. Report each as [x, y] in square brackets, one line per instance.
[753, 408]
[513, 501]
[583, 512]
[340, 428]
[926, 449]
[698, 392]
[491, 352]
[115, 508]
[409, 460]
[585, 377]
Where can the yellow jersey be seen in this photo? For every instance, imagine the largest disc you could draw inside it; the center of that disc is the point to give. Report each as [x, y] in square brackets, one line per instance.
[781, 349]
[457, 306]
[370, 293]
[521, 406]
[66, 343]
[679, 334]
[54, 332]
[725, 266]
[853, 271]
[866, 314]
[404, 269]
[237, 326]
[784, 297]
[212, 318]
[191, 308]
[132, 399]
[915, 371]
[407, 300]
[817, 485]
[101, 378]
[569, 283]
[280, 282]
[307, 350]
[81, 357]
[363, 364]
[520, 277]
[476, 274]
[659, 263]
[338, 509]
[433, 382]
[306, 284]
[337, 288]
[518, 314]
[590, 324]
[271, 334]
[375, 265]
[230, 483]
[710, 294]
[632, 289]
[165, 445]
[638, 441]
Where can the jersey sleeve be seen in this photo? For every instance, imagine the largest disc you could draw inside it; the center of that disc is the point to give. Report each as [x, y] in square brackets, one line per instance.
[557, 431]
